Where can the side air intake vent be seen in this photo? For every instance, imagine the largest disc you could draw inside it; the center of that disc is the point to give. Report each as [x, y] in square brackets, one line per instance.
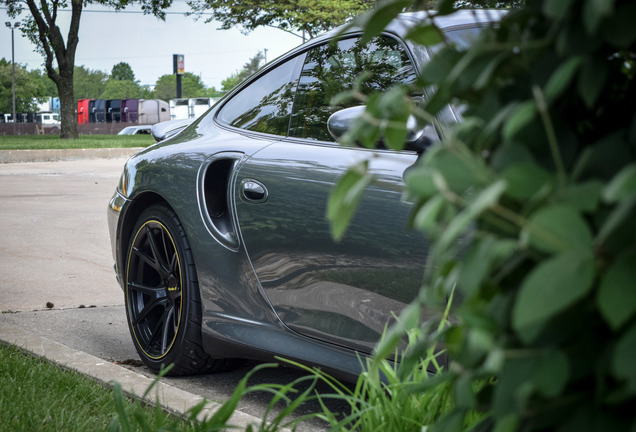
[216, 181]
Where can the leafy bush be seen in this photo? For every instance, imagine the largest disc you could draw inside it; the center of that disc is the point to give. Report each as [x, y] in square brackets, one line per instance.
[529, 203]
[391, 395]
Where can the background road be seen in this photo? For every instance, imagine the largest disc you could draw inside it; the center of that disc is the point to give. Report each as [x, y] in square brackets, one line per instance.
[55, 249]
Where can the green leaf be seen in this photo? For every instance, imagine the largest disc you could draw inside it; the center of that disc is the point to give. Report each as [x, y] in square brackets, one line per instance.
[393, 108]
[345, 197]
[622, 186]
[479, 258]
[521, 116]
[552, 373]
[616, 295]
[558, 228]
[556, 8]
[553, 286]
[615, 220]
[395, 133]
[464, 392]
[408, 319]
[419, 182]
[440, 66]
[427, 35]
[525, 179]
[618, 29]
[510, 154]
[508, 423]
[584, 196]
[450, 422]
[594, 11]
[511, 391]
[458, 225]
[488, 71]
[426, 218]
[488, 197]
[381, 17]
[561, 78]
[624, 355]
[591, 82]
[461, 170]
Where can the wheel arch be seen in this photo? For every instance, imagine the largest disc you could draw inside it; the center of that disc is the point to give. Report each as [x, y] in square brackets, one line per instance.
[133, 212]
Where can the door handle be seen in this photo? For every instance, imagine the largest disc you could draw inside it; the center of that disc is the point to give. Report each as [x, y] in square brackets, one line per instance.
[253, 191]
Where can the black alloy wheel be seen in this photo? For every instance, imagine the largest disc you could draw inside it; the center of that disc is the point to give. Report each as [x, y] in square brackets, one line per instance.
[162, 296]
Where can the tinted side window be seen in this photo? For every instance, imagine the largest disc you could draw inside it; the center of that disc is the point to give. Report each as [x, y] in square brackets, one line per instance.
[333, 68]
[265, 105]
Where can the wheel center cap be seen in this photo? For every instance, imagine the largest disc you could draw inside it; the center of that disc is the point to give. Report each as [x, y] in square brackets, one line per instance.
[174, 290]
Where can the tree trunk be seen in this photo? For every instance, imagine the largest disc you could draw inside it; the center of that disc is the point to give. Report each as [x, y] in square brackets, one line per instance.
[67, 105]
[51, 42]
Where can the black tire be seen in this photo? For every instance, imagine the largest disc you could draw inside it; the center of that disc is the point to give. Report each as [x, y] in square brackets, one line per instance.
[163, 305]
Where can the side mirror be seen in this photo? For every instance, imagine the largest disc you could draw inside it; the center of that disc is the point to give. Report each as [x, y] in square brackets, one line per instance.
[341, 121]
[418, 138]
[167, 129]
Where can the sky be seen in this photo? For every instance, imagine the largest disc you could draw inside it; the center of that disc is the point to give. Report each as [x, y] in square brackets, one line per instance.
[147, 44]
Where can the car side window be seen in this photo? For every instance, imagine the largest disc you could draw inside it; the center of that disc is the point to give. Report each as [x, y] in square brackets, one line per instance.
[336, 67]
[265, 104]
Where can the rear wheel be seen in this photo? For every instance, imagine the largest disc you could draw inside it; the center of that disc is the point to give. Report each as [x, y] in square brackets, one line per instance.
[163, 306]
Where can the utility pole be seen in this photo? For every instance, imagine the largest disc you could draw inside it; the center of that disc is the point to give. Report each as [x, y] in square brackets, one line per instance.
[13, 27]
[178, 61]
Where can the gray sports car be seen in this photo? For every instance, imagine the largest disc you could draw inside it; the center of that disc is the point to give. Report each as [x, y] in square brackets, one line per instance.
[219, 234]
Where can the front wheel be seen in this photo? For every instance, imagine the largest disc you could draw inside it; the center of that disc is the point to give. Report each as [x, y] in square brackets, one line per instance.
[163, 306]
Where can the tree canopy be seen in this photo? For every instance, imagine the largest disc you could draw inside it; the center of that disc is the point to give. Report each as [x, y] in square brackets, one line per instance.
[191, 86]
[120, 89]
[249, 68]
[88, 83]
[296, 16]
[122, 72]
[41, 27]
[29, 85]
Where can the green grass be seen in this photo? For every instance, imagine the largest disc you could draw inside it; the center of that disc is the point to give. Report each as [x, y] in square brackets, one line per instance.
[36, 395]
[40, 142]
[400, 395]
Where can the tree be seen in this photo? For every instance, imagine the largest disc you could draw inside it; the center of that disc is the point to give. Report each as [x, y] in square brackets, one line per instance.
[249, 68]
[122, 72]
[120, 89]
[491, 4]
[88, 83]
[309, 16]
[50, 89]
[42, 29]
[529, 205]
[191, 86]
[29, 85]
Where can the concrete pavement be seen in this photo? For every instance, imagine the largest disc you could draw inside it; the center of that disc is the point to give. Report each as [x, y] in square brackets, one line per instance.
[55, 259]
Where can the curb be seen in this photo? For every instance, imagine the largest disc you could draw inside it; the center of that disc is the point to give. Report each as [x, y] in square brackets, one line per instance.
[14, 156]
[133, 384]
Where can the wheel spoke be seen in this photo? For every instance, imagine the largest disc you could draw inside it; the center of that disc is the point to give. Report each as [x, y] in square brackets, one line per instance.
[145, 258]
[174, 268]
[168, 328]
[143, 289]
[159, 257]
[159, 330]
[147, 309]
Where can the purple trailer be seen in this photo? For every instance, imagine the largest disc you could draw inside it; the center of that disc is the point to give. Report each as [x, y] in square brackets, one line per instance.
[130, 110]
